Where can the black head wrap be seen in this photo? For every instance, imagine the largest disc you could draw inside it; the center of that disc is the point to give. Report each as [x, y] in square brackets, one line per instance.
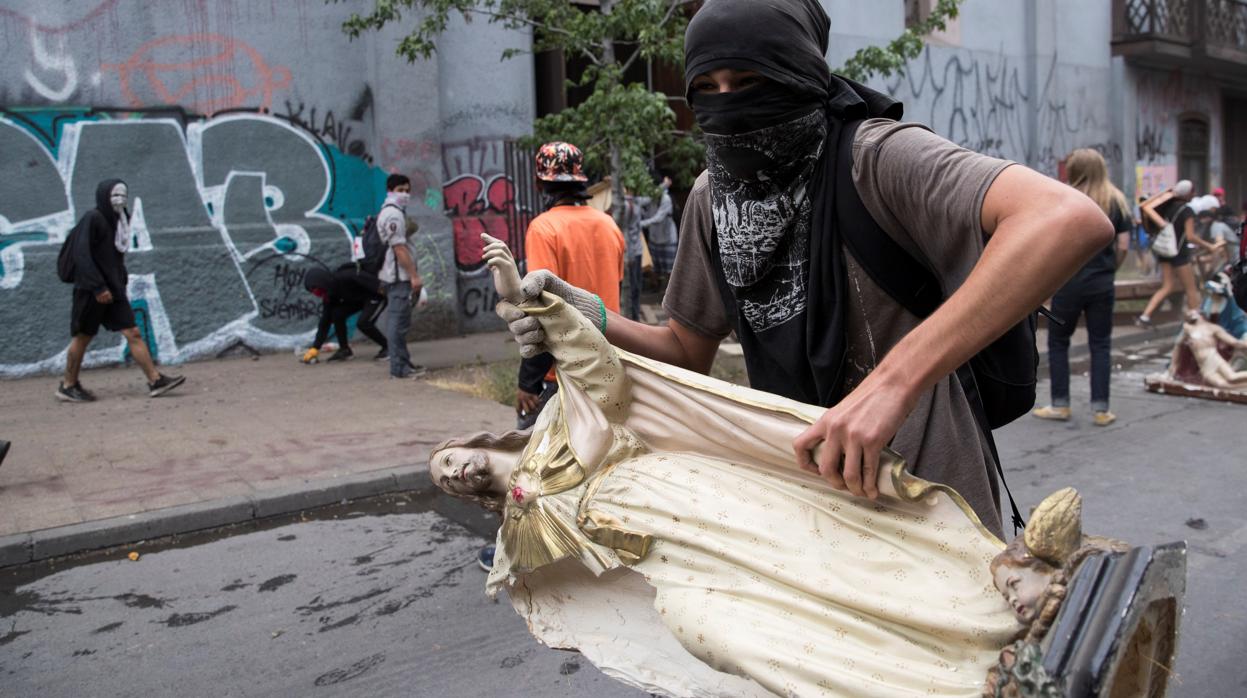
[783, 40]
[771, 157]
[317, 278]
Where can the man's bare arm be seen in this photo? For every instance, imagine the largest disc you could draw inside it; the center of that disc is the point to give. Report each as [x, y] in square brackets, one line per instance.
[1148, 209]
[1041, 232]
[402, 255]
[672, 343]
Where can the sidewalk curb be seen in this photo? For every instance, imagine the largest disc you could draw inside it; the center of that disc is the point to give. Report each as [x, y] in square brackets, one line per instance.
[1166, 331]
[36, 546]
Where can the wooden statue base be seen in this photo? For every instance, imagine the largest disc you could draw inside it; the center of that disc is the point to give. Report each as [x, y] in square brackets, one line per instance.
[1159, 383]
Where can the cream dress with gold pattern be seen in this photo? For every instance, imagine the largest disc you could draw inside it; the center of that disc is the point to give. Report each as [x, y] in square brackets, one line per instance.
[658, 524]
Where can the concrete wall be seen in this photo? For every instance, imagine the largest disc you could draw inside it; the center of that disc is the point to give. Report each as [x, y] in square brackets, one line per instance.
[255, 139]
[1031, 80]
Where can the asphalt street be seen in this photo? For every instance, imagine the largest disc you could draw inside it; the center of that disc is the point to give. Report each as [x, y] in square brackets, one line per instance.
[361, 605]
[386, 600]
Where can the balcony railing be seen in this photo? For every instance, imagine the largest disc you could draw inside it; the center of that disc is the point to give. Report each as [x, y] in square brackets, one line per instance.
[1209, 34]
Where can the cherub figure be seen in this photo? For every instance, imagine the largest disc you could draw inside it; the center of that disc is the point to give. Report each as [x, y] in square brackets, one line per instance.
[1033, 572]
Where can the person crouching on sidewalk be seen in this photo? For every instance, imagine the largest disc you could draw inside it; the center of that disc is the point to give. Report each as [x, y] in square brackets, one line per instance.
[343, 293]
[100, 299]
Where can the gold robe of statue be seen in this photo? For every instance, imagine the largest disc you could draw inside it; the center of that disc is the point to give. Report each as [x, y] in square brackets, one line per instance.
[658, 524]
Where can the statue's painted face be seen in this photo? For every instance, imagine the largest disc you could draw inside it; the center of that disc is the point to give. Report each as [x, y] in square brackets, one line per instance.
[461, 471]
[117, 197]
[1021, 583]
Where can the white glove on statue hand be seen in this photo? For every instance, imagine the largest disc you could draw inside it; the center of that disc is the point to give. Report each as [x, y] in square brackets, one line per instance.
[525, 328]
[514, 291]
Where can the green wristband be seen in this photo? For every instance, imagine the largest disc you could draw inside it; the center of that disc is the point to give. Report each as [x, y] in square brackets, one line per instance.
[601, 309]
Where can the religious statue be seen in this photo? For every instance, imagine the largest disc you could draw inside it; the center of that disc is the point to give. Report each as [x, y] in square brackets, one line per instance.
[655, 520]
[1200, 363]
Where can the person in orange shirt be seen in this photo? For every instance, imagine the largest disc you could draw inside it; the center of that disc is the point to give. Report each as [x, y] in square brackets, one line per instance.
[575, 242]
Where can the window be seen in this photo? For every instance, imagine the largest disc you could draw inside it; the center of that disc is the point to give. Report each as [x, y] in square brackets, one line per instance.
[918, 10]
[1193, 137]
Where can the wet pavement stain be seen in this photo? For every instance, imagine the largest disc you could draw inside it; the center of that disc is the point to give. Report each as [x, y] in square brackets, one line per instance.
[12, 635]
[277, 582]
[316, 605]
[349, 620]
[391, 607]
[355, 670]
[30, 601]
[512, 662]
[107, 628]
[180, 620]
[569, 667]
[132, 600]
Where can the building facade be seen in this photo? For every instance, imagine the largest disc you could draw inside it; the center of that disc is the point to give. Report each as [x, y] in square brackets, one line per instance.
[256, 138]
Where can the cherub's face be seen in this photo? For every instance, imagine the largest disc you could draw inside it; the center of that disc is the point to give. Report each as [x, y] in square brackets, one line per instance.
[463, 471]
[1023, 586]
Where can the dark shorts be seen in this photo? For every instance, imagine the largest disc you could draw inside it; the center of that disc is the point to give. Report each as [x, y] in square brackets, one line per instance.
[89, 315]
[1182, 259]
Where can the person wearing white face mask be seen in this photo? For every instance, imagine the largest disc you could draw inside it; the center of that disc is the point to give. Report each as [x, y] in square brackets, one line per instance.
[399, 275]
[100, 278]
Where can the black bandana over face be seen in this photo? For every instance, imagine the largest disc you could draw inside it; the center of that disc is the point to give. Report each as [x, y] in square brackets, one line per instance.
[760, 198]
[771, 156]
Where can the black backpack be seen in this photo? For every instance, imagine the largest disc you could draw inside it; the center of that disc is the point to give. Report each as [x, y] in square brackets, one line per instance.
[374, 248]
[1000, 380]
[65, 258]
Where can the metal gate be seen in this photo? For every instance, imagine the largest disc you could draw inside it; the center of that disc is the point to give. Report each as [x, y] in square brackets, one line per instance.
[520, 172]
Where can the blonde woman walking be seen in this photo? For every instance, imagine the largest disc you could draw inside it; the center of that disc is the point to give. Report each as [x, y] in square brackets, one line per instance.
[1089, 292]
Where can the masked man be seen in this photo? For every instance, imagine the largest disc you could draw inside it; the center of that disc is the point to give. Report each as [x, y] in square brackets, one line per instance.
[102, 238]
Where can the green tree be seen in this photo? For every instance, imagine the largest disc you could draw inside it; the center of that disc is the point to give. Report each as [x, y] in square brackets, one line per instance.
[886, 60]
[620, 127]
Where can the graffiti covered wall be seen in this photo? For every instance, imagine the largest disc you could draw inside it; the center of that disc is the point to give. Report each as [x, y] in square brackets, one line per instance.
[1163, 99]
[228, 215]
[987, 102]
[248, 163]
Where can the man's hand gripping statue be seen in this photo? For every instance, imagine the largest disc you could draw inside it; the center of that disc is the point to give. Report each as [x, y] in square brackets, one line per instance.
[515, 292]
[810, 447]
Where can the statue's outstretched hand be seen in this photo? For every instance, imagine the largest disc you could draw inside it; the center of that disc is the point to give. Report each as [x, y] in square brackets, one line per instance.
[502, 265]
[516, 292]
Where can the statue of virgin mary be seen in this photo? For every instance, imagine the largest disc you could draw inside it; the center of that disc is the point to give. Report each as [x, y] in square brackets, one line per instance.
[655, 521]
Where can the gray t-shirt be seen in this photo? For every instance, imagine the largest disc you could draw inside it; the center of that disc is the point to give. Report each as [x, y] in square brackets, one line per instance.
[927, 194]
[392, 227]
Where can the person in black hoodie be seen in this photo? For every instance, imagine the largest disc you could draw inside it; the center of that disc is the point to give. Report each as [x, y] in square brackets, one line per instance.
[343, 293]
[100, 278]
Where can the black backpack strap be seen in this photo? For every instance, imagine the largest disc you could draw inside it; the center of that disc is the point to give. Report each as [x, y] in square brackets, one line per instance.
[910, 282]
[970, 387]
[907, 280]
